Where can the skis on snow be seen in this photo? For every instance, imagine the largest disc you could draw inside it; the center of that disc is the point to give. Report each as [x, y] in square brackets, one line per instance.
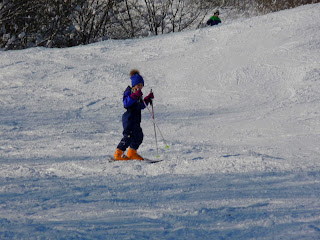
[146, 160]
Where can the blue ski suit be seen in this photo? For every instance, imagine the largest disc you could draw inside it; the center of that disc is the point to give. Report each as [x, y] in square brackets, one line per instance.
[132, 132]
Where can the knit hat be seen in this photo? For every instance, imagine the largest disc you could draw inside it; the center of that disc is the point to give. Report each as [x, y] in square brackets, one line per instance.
[136, 78]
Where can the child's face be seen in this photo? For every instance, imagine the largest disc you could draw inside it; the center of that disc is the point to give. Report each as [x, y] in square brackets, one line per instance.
[138, 86]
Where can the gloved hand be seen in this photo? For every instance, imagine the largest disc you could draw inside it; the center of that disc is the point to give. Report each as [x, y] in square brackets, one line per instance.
[136, 95]
[149, 98]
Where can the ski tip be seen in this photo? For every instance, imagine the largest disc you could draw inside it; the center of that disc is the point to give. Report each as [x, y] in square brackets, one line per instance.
[167, 147]
[152, 161]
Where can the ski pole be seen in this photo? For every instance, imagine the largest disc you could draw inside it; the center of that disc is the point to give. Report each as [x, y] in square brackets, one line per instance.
[154, 121]
[156, 124]
[154, 127]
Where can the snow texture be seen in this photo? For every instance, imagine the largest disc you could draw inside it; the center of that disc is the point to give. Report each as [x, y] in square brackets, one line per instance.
[238, 104]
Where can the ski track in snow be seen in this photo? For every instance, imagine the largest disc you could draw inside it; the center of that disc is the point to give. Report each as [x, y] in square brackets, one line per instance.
[238, 104]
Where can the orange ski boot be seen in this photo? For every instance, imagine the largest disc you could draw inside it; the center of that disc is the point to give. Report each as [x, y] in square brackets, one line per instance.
[119, 155]
[133, 155]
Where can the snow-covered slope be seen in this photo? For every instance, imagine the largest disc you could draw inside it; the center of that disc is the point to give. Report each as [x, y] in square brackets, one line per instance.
[238, 104]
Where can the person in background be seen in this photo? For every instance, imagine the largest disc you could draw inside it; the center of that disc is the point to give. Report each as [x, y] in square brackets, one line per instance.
[214, 20]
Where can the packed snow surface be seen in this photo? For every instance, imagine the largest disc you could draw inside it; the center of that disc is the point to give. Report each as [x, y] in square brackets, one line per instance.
[238, 104]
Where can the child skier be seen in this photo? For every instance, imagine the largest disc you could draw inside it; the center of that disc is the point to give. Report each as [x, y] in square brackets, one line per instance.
[132, 132]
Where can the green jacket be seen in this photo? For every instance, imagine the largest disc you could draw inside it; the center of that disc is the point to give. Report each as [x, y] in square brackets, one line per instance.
[214, 18]
[213, 21]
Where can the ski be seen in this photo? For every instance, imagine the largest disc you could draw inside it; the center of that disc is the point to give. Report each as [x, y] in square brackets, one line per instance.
[151, 161]
[146, 160]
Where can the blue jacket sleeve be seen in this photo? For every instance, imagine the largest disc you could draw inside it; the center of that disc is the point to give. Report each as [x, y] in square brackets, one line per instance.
[128, 101]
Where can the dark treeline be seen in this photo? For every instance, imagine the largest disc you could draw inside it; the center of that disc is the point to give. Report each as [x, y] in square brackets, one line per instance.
[65, 23]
